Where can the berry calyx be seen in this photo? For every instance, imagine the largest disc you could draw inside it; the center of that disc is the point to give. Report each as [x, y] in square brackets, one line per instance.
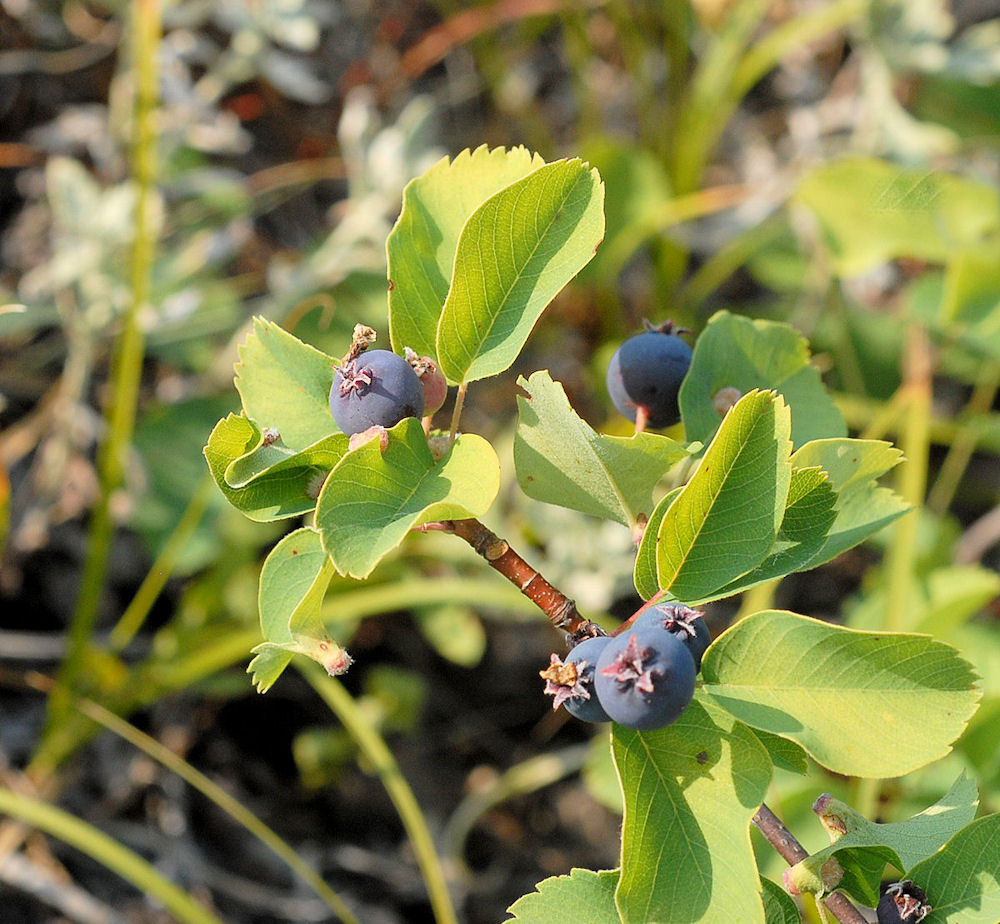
[570, 683]
[902, 903]
[645, 376]
[687, 624]
[645, 678]
[376, 388]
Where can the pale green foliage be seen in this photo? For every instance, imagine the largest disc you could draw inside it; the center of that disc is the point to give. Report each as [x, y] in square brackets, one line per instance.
[875, 704]
[865, 848]
[581, 896]
[516, 251]
[562, 460]
[373, 498]
[744, 354]
[421, 248]
[872, 211]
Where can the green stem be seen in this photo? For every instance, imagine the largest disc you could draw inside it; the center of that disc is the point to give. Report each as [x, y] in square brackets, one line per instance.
[710, 101]
[456, 414]
[915, 443]
[377, 752]
[859, 411]
[161, 570]
[98, 846]
[961, 450]
[126, 367]
[800, 30]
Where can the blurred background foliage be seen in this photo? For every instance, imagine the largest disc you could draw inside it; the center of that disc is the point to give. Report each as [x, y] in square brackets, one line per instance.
[168, 173]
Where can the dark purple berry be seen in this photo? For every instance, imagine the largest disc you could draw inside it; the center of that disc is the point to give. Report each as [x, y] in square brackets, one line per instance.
[376, 388]
[902, 903]
[571, 682]
[646, 372]
[645, 678]
[687, 624]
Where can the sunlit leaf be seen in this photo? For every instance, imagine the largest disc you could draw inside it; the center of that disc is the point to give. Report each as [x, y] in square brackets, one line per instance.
[285, 384]
[583, 895]
[962, 880]
[421, 247]
[515, 253]
[738, 353]
[561, 460]
[874, 704]
[867, 846]
[372, 499]
[726, 518]
[690, 792]
[268, 482]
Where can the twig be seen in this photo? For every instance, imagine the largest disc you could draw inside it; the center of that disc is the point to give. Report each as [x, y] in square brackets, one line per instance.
[783, 841]
[498, 554]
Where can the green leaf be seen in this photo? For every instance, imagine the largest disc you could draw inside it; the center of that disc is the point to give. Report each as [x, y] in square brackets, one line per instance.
[690, 792]
[583, 896]
[962, 880]
[867, 846]
[561, 460]
[843, 694]
[809, 514]
[863, 508]
[285, 384]
[647, 581]
[779, 908]
[873, 211]
[372, 499]
[726, 518]
[784, 753]
[736, 352]
[293, 582]
[268, 482]
[421, 247]
[515, 253]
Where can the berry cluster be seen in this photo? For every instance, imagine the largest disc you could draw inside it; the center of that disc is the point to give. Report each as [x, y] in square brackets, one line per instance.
[643, 678]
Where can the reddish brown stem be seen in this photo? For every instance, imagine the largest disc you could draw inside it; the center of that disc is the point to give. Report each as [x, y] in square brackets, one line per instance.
[498, 554]
[782, 840]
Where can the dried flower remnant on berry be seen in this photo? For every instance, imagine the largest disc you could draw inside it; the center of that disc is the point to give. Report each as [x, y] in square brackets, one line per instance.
[563, 680]
[628, 667]
[903, 902]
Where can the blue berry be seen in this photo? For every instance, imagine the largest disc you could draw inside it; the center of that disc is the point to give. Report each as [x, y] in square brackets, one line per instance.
[573, 686]
[646, 372]
[902, 903]
[687, 624]
[376, 388]
[645, 678]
